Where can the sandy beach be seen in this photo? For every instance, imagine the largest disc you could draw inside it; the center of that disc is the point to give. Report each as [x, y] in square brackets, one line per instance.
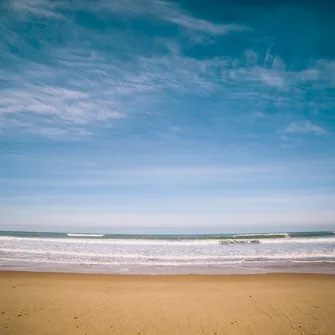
[54, 303]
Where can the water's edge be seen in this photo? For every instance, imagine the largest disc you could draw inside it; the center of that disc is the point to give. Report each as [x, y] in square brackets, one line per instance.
[302, 268]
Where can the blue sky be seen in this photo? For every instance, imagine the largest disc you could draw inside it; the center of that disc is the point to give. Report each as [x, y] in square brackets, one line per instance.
[123, 114]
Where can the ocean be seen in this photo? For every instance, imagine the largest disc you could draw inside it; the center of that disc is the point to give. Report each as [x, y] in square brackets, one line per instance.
[168, 254]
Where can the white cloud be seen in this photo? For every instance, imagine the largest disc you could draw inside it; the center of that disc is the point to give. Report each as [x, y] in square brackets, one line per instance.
[286, 146]
[95, 89]
[305, 127]
[204, 26]
[40, 8]
[60, 133]
[272, 78]
[80, 86]
[161, 10]
[70, 106]
[320, 75]
[261, 115]
[169, 12]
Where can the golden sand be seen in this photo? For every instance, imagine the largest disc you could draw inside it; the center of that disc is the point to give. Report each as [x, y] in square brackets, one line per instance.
[50, 303]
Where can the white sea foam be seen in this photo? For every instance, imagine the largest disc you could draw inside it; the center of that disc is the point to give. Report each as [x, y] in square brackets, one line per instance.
[113, 241]
[299, 240]
[162, 263]
[188, 242]
[83, 254]
[154, 252]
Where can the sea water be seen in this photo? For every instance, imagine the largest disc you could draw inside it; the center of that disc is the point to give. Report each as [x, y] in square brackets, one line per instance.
[168, 254]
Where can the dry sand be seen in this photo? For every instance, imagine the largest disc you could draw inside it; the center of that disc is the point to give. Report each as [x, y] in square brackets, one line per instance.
[50, 303]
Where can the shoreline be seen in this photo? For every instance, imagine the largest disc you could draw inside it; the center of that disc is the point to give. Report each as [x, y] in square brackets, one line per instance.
[9, 273]
[66, 303]
[139, 277]
[250, 268]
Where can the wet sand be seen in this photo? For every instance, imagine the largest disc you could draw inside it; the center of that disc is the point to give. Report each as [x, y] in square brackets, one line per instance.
[54, 303]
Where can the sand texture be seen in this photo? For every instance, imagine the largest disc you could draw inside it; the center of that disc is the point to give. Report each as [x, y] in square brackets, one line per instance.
[50, 303]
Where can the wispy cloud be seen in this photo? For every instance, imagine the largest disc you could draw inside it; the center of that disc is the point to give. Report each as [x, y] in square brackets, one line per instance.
[162, 10]
[78, 84]
[286, 146]
[60, 133]
[71, 106]
[169, 12]
[41, 8]
[265, 177]
[93, 89]
[321, 74]
[272, 78]
[305, 127]
[151, 176]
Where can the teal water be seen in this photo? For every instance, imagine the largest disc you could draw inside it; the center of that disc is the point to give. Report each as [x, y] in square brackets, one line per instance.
[169, 237]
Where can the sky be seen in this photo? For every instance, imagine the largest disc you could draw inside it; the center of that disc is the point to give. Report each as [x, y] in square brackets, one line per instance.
[166, 116]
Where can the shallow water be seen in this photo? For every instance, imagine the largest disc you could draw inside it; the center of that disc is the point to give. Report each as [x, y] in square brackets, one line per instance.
[154, 254]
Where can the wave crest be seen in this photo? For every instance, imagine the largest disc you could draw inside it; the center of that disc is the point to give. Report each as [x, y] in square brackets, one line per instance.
[239, 241]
